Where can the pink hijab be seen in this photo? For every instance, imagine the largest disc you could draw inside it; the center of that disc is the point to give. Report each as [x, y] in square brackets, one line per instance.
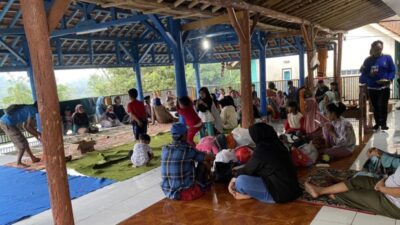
[311, 115]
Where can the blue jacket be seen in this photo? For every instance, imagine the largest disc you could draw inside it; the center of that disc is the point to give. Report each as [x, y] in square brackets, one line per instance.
[383, 65]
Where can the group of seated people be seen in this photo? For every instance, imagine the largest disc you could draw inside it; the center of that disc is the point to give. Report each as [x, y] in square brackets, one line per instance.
[270, 175]
[108, 116]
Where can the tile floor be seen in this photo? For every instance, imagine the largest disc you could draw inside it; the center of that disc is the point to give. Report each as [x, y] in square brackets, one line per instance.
[121, 200]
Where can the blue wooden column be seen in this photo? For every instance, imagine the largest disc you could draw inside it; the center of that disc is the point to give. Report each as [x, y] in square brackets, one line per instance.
[261, 41]
[173, 37]
[138, 73]
[300, 49]
[196, 67]
[31, 81]
[179, 59]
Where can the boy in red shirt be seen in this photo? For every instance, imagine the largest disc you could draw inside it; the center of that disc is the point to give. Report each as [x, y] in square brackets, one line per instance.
[185, 108]
[137, 111]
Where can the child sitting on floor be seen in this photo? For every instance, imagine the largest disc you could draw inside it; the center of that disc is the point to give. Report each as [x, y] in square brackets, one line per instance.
[142, 153]
[295, 120]
[185, 108]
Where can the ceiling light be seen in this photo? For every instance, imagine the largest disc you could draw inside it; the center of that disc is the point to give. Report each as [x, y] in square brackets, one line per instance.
[205, 44]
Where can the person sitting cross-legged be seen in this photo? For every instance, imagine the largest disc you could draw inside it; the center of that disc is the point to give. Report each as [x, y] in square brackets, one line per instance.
[269, 176]
[181, 180]
[338, 133]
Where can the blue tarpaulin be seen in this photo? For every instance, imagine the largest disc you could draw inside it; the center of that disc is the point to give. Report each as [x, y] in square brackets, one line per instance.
[25, 193]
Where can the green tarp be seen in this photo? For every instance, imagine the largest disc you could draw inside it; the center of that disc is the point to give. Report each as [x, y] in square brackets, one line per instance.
[115, 163]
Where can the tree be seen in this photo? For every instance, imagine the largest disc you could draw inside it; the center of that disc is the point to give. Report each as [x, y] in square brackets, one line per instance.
[119, 81]
[112, 82]
[64, 92]
[18, 93]
[210, 75]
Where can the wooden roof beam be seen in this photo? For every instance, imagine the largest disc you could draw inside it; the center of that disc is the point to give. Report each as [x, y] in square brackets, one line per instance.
[224, 19]
[284, 34]
[56, 12]
[240, 4]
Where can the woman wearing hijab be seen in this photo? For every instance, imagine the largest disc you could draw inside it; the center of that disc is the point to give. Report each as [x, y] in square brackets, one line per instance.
[109, 118]
[269, 176]
[329, 97]
[312, 114]
[100, 107]
[160, 113]
[80, 120]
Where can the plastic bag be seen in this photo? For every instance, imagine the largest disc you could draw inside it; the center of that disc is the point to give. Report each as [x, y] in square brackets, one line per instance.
[310, 151]
[242, 137]
[226, 155]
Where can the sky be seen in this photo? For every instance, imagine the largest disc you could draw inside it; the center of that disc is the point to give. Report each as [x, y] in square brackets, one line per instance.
[62, 76]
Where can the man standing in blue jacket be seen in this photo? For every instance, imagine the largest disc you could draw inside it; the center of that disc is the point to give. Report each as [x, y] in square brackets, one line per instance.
[377, 72]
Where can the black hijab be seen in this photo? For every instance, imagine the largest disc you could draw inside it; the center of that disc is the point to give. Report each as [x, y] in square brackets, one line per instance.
[266, 140]
[227, 101]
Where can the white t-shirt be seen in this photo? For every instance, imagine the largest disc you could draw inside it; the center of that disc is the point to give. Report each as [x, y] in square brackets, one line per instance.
[206, 116]
[140, 154]
[294, 120]
[393, 181]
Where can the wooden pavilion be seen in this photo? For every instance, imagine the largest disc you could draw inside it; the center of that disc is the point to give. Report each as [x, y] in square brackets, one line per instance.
[132, 33]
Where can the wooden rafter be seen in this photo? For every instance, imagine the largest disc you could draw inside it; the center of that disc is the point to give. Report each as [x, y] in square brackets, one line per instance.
[193, 4]
[205, 6]
[240, 4]
[154, 11]
[254, 24]
[215, 9]
[178, 3]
